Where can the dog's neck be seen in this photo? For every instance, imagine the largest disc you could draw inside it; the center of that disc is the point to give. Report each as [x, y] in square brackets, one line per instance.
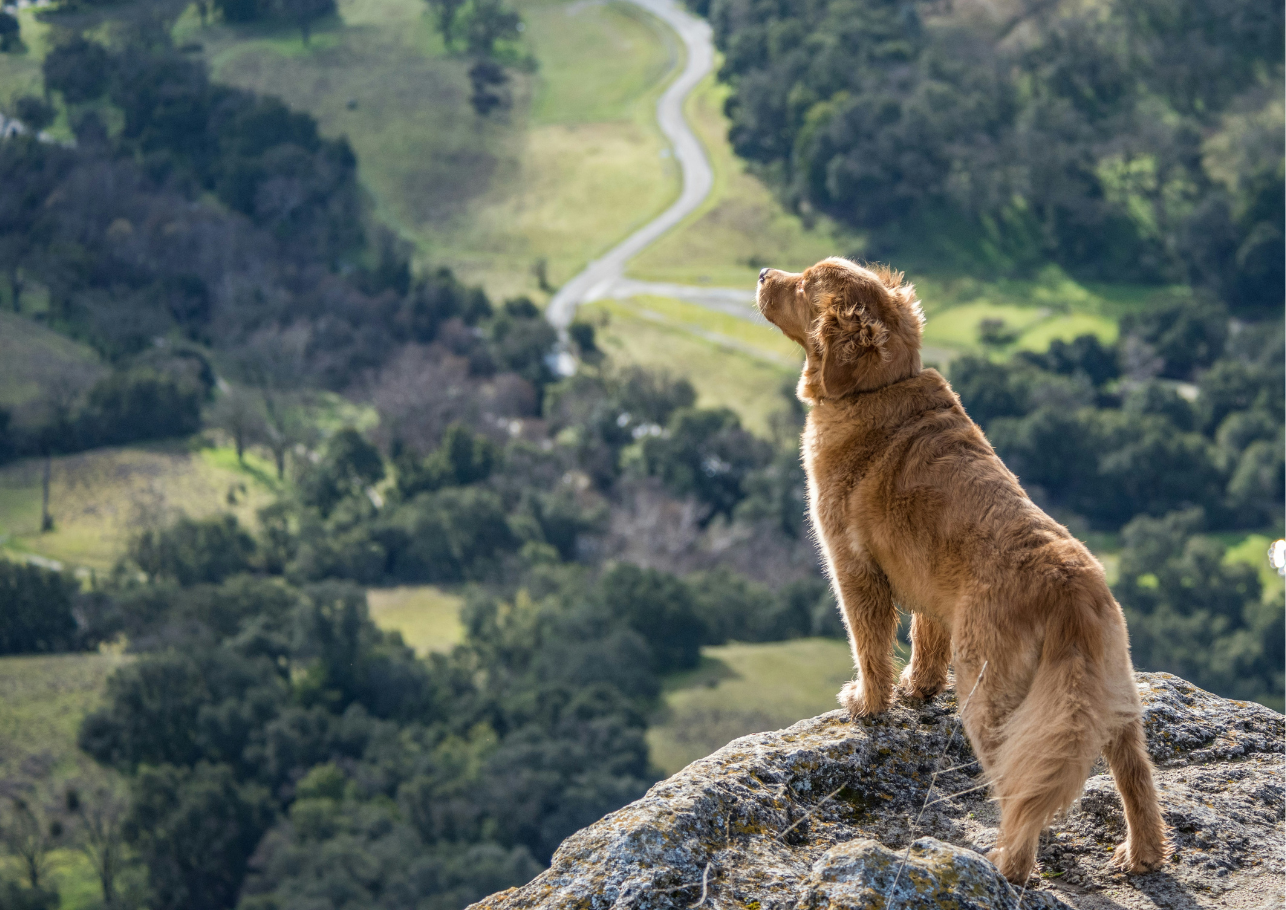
[898, 366]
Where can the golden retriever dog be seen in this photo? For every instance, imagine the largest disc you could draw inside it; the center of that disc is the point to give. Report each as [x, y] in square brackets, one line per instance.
[914, 508]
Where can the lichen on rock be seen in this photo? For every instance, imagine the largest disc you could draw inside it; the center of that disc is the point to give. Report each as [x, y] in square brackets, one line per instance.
[823, 815]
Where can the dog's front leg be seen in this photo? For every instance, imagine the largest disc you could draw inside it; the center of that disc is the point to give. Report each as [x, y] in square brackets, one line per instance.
[871, 617]
[926, 673]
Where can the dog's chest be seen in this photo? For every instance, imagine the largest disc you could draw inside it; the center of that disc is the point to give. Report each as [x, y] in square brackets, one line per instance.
[834, 467]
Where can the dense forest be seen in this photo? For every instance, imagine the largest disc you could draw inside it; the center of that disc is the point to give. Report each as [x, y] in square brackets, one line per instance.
[1137, 140]
[270, 748]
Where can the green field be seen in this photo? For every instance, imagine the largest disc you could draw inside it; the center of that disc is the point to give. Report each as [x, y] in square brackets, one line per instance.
[726, 371]
[740, 689]
[20, 70]
[569, 171]
[428, 617]
[99, 499]
[42, 702]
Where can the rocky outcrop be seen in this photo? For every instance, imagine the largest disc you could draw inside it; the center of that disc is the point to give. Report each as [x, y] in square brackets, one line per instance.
[890, 813]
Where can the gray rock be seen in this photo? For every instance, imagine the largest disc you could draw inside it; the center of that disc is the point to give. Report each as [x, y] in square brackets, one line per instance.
[892, 813]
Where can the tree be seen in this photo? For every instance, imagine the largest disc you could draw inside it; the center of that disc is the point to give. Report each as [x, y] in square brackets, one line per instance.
[487, 22]
[462, 458]
[10, 30]
[659, 607]
[192, 551]
[705, 453]
[1193, 613]
[195, 830]
[447, 11]
[35, 113]
[78, 68]
[98, 810]
[488, 79]
[141, 403]
[37, 615]
[350, 466]
[237, 413]
[30, 830]
[304, 13]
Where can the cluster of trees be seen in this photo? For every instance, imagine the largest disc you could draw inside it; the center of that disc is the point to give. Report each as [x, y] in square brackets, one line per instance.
[282, 751]
[1099, 435]
[1137, 140]
[487, 30]
[148, 397]
[38, 615]
[283, 283]
[10, 32]
[302, 14]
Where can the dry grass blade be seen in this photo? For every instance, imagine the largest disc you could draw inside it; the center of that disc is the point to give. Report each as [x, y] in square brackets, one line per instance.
[803, 818]
[950, 739]
[943, 799]
[705, 886]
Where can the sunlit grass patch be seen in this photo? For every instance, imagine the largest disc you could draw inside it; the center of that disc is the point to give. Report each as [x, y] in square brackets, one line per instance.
[99, 499]
[427, 616]
[741, 689]
[577, 191]
[43, 699]
[1252, 550]
[20, 68]
[596, 59]
[759, 335]
[722, 372]
[1030, 328]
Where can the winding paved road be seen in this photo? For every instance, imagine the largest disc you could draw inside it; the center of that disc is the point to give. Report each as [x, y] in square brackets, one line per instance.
[605, 276]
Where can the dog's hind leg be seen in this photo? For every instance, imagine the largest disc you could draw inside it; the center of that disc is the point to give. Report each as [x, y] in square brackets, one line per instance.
[926, 674]
[871, 618]
[1049, 744]
[1146, 846]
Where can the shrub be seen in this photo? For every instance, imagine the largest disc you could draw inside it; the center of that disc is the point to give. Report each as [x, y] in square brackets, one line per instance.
[35, 609]
[194, 551]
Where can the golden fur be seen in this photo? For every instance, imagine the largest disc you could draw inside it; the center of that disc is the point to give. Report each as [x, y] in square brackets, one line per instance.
[914, 508]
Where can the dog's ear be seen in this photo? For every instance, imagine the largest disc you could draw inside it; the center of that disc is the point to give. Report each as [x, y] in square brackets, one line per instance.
[848, 331]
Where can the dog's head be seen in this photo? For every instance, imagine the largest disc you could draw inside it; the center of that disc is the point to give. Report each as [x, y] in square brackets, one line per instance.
[860, 327]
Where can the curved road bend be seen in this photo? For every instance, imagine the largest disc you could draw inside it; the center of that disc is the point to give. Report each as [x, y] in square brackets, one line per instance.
[601, 277]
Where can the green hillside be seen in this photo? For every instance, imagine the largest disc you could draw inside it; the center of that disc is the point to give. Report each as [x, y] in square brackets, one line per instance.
[99, 499]
[569, 171]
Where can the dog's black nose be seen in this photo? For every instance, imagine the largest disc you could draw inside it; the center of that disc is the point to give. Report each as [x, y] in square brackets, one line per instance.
[762, 273]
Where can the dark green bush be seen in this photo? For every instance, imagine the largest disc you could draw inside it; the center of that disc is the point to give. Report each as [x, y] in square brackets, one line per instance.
[194, 551]
[36, 609]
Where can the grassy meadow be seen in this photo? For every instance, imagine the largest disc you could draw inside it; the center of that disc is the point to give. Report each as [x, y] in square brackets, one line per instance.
[100, 498]
[427, 616]
[726, 371]
[570, 170]
[739, 689]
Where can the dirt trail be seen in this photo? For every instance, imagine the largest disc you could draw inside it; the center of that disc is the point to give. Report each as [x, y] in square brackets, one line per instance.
[605, 276]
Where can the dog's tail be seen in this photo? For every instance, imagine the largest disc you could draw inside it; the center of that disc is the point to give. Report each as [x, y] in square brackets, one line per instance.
[1051, 740]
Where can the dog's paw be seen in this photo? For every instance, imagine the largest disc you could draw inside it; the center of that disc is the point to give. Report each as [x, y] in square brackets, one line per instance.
[913, 685]
[859, 702]
[1136, 859]
[1015, 868]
